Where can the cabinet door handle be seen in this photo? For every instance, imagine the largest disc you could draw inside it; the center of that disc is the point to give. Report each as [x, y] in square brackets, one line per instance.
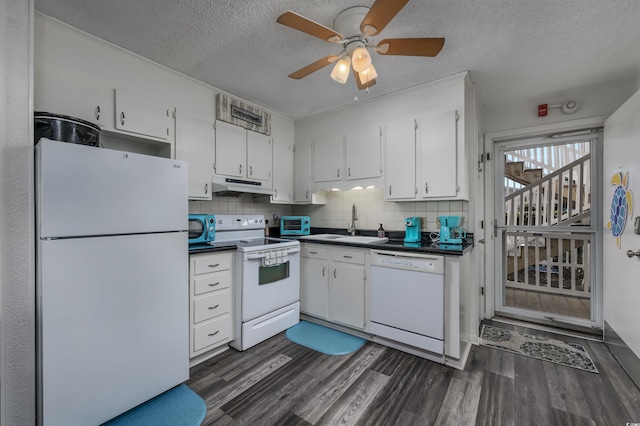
[306, 195]
[250, 170]
[214, 307]
[122, 118]
[214, 266]
[389, 189]
[426, 188]
[214, 284]
[349, 171]
[334, 273]
[323, 271]
[206, 188]
[275, 195]
[240, 168]
[213, 334]
[98, 112]
[338, 172]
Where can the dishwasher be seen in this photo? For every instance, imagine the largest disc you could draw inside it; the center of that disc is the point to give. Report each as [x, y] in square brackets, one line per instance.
[407, 302]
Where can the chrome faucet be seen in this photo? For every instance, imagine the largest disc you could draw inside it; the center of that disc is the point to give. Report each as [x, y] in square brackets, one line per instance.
[354, 216]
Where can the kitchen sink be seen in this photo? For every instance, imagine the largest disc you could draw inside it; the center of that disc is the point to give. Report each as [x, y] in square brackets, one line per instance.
[362, 240]
[322, 237]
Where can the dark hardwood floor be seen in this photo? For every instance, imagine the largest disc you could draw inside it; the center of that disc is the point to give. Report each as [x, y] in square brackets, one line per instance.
[281, 383]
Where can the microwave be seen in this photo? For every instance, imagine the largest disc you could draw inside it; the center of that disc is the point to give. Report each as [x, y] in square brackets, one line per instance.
[295, 225]
[202, 228]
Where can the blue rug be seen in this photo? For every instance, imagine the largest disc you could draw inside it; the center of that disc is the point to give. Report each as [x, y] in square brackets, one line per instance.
[179, 406]
[323, 339]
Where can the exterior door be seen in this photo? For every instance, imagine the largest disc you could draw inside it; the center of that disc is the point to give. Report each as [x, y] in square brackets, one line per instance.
[546, 229]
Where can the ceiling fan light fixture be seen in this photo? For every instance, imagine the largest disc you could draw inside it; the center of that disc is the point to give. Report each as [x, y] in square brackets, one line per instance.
[361, 59]
[340, 72]
[368, 75]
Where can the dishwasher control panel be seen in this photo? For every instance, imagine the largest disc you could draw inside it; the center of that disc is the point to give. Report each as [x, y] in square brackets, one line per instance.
[402, 260]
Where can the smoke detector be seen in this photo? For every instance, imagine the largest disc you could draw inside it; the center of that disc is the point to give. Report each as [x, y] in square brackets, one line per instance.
[570, 107]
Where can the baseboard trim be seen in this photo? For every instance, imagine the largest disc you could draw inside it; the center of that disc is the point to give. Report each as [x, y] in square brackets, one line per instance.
[623, 353]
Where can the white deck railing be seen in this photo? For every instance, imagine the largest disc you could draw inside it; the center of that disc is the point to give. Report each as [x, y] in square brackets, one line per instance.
[548, 262]
[559, 198]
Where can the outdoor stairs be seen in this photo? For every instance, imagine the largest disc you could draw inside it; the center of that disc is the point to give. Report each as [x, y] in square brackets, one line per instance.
[515, 171]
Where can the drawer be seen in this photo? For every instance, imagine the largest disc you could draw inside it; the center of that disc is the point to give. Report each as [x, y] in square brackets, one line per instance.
[211, 305]
[314, 252]
[211, 282]
[203, 264]
[348, 256]
[212, 332]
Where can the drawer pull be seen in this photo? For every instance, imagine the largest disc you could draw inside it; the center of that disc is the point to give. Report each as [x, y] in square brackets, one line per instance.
[213, 334]
[214, 307]
[214, 284]
[347, 257]
[313, 252]
[214, 266]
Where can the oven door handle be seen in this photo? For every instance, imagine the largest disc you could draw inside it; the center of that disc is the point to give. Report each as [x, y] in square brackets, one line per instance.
[257, 256]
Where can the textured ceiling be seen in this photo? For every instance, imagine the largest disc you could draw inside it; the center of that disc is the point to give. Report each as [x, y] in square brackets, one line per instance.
[515, 49]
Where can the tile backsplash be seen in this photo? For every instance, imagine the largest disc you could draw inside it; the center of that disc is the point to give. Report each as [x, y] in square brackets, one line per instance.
[373, 210]
[336, 213]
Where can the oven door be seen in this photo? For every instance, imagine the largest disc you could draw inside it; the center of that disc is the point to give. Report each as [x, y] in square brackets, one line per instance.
[267, 288]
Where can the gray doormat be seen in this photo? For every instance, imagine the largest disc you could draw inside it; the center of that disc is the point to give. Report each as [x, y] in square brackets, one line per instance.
[556, 351]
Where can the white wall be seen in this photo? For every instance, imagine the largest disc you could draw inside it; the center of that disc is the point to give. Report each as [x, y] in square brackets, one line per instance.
[621, 289]
[594, 101]
[17, 277]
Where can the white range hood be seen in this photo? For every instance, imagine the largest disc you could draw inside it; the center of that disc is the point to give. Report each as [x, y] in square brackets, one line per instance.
[233, 187]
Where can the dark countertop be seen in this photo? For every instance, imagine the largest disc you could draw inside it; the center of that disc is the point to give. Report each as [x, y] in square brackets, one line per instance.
[396, 242]
[210, 248]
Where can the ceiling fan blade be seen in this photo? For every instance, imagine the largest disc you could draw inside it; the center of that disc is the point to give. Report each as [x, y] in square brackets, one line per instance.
[410, 46]
[300, 23]
[360, 85]
[313, 67]
[380, 14]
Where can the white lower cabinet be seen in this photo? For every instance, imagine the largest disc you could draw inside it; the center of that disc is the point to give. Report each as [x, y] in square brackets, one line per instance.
[210, 302]
[333, 284]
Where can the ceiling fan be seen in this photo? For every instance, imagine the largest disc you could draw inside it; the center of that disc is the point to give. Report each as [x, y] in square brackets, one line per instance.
[353, 27]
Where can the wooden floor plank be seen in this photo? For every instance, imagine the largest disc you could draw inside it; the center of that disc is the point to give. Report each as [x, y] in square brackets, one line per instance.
[531, 393]
[348, 409]
[460, 405]
[496, 406]
[563, 393]
[329, 390]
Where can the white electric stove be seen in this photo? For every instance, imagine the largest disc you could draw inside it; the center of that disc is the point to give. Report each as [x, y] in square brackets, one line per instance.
[266, 279]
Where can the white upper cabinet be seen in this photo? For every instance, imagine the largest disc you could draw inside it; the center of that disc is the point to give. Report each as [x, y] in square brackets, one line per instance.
[363, 153]
[282, 135]
[400, 166]
[141, 115]
[422, 157]
[437, 143]
[73, 94]
[242, 153]
[231, 150]
[259, 156]
[327, 159]
[195, 141]
[302, 173]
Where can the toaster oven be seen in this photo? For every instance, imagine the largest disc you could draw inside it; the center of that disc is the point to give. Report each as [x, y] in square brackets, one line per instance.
[295, 225]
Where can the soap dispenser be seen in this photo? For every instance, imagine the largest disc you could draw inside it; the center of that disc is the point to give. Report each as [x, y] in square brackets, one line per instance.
[381, 232]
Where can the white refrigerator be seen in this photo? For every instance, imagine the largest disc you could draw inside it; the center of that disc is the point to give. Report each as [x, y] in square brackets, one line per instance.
[112, 292]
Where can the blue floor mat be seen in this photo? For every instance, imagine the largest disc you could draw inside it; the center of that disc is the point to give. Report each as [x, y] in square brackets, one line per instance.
[323, 339]
[179, 406]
